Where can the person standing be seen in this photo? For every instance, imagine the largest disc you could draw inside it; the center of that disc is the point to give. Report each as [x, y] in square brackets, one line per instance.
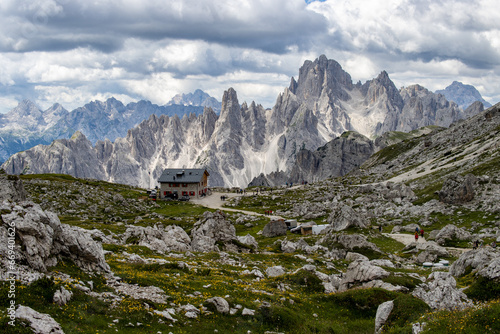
[416, 236]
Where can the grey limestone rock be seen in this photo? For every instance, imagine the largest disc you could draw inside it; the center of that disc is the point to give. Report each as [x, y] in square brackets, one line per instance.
[440, 292]
[248, 240]
[458, 189]
[450, 232]
[40, 323]
[383, 312]
[221, 305]
[171, 238]
[492, 271]
[43, 238]
[476, 260]
[62, 296]
[275, 271]
[344, 217]
[275, 228]
[11, 188]
[360, 271]
[210, 229]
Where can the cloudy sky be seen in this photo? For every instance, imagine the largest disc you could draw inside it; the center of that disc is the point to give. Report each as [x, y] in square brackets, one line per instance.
[76, 51]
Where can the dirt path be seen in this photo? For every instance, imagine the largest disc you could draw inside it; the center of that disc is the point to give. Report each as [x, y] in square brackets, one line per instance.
[214, 201]
[407, 239]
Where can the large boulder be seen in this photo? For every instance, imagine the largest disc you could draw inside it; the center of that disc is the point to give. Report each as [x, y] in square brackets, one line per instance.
[360, 271]
[492, 271]
[473, 260]
[458, 189]
[383, 312]
[344, 217]
[440, 292]
[275, 271]
[211, 229]
[220, 304]
[11, 188]
[40, 323]
[171, 238]
[452, 232]
[351, 242]
[275, 228]
[42, 239]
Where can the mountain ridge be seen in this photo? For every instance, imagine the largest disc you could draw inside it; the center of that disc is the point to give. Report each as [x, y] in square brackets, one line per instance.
[244, 141]
[27, 125]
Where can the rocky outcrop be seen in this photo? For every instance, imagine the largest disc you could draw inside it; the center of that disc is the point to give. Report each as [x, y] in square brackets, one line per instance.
[360, 271]
[336, 158]
[352, 242]
[492, 271]
[62, 296]
[344, 217]
[43, 239]
[11, 188]
[220, 304]
[171, 238]
[275, 271]
[211, 229]
[440, 292]
[458, 189]
[275, 228]
[40, 323]
[475, 260]
[383, 312]
[451, 232]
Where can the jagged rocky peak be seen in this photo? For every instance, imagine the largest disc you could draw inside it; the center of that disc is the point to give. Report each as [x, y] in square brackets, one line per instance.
[197, 98]
[463, 95]
[382, 86]
[26, 108]
[320, 74]
[230, 111]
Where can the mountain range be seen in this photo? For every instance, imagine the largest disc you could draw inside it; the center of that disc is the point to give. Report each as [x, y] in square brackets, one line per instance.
[247, 140]
[27, 125]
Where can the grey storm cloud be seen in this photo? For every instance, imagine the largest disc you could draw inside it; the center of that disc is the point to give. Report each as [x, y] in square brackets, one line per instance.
[270, 26]
[153, 49]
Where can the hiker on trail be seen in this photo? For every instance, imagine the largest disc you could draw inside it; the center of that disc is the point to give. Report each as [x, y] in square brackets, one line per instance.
[380, 228]
[417, 229]
[422, 233]
[416, 236]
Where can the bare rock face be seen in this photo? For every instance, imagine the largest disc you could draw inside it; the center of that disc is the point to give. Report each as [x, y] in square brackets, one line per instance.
[352, 242]
[172, 238]
[336, 158]
[440, 292]
[62, 296]
[11, 188]
[275, 228]
[40, 323]
[458, 189]
[275, 271]
[345, 217]
[248, 240]
[450, 232]
[492, 271]
[476, 260]
[211, 229]
[360, 271]
[383, 312]
[43, 238]
[221, 305]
